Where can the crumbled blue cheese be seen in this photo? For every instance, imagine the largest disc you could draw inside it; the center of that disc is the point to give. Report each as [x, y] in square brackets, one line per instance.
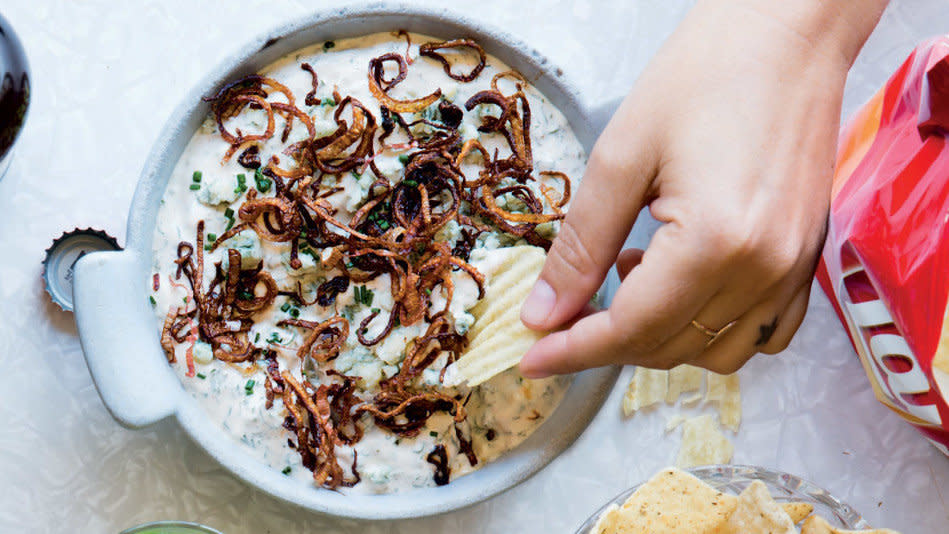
[390, 167]
[356, 189]
[308, 265]
[248, 244]
[487, 241]
[463, 322]
[392, 349]
[449, 233]
[358, 361]
[202, 352]
[217, 189]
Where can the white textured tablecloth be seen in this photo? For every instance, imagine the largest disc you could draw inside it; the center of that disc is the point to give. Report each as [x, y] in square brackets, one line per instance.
[105, 77]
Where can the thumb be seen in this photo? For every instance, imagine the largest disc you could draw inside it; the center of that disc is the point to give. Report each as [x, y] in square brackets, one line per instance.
[610, 196]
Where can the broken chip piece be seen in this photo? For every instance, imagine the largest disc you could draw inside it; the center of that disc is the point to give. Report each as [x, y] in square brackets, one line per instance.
[647, 387]
[683, 379]
[725, 390]
[703, 443]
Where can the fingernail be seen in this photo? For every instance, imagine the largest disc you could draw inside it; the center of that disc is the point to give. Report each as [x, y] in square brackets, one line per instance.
[529, 370]
[533, 374]
[539, 304]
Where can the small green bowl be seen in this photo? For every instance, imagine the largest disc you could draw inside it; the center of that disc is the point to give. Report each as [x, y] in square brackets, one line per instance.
[170, 527]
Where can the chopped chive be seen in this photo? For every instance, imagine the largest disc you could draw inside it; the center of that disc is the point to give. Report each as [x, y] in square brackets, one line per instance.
[328, 44]
[355, 174]
[152, 300]
[263, 184]
[350, 265]
[294, 313]
[241, 183]
[410, 183]
[245, 295]
[285, 307]
[208, 247]
[403, 158]
[383, 224]
[212, 237]
[328, 102]
[201, 376]
[286, 470]
[363, 295]
[257, 337]
[274, 338]
[428, 290]
[433, 433]
[196, 177]
[194, 187]
[229, 213]
[249, 387]
[375, 310]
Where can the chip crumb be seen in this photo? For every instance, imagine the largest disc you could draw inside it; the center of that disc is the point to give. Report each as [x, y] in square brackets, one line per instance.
[674, 421]
[692, 399]
[703, 443]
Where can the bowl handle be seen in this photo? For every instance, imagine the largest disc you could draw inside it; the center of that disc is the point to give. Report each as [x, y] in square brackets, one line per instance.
[134, 382]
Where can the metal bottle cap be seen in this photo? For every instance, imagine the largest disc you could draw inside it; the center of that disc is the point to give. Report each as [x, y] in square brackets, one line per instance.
[61, 256]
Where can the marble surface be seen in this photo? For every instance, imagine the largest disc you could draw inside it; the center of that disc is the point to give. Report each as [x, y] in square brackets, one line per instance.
[105, 77]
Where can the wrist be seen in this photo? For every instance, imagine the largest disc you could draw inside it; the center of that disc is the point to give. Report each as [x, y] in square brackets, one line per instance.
[836, 29]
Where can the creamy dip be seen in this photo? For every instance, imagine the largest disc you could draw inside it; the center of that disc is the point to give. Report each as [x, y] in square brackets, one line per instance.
[501, 412]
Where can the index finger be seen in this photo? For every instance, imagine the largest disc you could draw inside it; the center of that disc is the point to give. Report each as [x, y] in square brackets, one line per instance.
[658, 298]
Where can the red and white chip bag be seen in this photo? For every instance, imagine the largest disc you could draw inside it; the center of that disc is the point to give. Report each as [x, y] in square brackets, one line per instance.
[886, 262]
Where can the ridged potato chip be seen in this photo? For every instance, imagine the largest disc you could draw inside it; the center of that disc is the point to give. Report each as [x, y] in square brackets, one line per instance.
[498, 339]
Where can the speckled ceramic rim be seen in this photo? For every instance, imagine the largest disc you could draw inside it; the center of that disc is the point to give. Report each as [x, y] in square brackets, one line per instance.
[117, 329]
[196, 528]
[784, 487]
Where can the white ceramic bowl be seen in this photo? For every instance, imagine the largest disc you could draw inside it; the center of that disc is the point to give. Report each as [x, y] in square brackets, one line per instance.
[783, 487]
[118, 330]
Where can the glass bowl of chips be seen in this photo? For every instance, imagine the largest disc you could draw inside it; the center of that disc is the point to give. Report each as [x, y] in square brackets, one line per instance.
[783, 487]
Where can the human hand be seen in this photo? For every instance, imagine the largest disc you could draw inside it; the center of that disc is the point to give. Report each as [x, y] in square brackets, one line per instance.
[729, 138]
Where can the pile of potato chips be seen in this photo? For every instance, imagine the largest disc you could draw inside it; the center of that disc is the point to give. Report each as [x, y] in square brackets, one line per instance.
[675, 502]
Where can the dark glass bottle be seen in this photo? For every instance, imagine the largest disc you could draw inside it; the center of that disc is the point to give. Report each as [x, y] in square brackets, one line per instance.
[14, 91]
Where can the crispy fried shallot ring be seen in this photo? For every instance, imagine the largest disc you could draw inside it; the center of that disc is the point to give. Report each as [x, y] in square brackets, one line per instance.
[379, 87]
[429, 50]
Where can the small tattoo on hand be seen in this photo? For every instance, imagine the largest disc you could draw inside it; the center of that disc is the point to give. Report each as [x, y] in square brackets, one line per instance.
[765, 332]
